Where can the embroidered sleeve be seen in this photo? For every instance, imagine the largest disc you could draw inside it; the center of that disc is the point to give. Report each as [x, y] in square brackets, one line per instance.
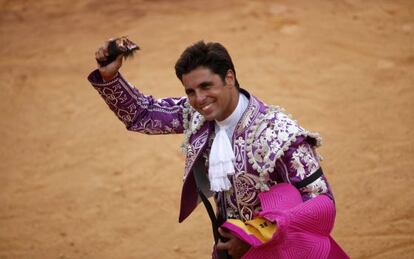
[140, 112]
[299, 162]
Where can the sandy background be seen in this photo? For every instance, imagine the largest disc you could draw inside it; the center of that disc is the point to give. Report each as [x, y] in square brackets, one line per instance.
[75, 184]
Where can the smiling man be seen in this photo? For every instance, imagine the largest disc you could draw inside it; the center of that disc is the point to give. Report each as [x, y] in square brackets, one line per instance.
[209, 95]
[236, 147]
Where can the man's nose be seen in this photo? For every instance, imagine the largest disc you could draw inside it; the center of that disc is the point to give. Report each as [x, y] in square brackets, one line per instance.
[200, 96]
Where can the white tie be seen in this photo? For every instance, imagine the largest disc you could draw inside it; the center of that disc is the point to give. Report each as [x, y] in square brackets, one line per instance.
[222, 158]
[221, 162]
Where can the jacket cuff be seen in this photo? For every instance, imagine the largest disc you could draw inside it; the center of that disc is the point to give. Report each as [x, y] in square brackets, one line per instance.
[96, 79]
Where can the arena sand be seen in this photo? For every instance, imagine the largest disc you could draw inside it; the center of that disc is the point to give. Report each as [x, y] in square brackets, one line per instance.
[76, 184]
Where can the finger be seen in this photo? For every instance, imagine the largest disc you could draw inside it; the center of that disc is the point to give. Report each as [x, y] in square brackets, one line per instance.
[105, 46]
[102, 53]
[225, 233]
[222, 245]
[105, 51]
[106, 43]
[99, 55]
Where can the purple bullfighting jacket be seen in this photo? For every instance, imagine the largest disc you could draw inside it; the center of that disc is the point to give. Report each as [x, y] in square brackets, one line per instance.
[268, 145]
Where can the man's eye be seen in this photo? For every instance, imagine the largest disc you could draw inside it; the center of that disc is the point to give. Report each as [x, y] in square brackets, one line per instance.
[189, 93]
[205, 87]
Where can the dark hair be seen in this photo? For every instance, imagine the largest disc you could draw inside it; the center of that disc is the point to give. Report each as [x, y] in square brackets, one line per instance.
[211, 55]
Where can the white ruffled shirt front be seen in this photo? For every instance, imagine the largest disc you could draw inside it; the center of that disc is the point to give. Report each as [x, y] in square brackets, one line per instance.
[221, 160]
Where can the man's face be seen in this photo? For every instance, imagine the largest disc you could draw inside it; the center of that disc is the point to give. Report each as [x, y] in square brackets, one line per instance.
[209, 95]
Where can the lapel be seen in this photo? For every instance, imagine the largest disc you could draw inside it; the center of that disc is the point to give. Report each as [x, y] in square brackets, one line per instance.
[248, 117]
[197, 144]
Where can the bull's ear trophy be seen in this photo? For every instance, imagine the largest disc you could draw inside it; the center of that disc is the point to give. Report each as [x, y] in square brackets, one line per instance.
[118, 46]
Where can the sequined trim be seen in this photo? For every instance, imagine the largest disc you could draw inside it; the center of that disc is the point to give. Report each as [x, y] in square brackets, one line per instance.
[268, 138]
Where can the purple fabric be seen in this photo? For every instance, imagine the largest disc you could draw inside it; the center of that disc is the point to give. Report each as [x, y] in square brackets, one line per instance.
[139, 112]
[288, 173]
[189, 198]
[297, 159]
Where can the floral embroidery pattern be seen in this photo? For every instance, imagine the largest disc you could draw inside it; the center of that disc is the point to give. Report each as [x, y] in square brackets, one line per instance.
[193, 150]
[242, 200]
[248, 116]
[192, 121]
[140, 112]
[316, 188]
[268, 138]
[246, 194]
[304, 161]
[240, 154]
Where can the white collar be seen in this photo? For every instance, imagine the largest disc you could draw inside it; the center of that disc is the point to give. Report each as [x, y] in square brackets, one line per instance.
[231, 121]
[221, 158]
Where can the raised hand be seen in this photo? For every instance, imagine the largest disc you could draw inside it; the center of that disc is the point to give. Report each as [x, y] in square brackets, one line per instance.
[110, 70]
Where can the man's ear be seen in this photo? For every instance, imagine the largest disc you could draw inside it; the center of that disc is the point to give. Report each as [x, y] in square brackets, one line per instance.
[230, 78]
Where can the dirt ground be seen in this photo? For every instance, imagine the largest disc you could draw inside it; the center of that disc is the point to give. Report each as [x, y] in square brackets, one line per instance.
[75, 184]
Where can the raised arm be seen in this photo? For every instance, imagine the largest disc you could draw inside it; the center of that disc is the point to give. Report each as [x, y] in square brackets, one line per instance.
[137, 111]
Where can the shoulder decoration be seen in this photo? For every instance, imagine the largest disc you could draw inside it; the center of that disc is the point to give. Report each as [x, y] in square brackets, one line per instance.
[269, 137]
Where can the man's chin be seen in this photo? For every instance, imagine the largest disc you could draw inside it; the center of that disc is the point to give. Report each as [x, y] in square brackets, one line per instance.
[208, 117]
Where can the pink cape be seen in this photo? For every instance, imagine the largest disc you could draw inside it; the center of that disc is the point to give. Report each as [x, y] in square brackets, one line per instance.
[303, 228]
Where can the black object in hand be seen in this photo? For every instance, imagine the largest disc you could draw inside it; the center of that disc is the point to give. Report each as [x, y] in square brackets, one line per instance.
[119, 46]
